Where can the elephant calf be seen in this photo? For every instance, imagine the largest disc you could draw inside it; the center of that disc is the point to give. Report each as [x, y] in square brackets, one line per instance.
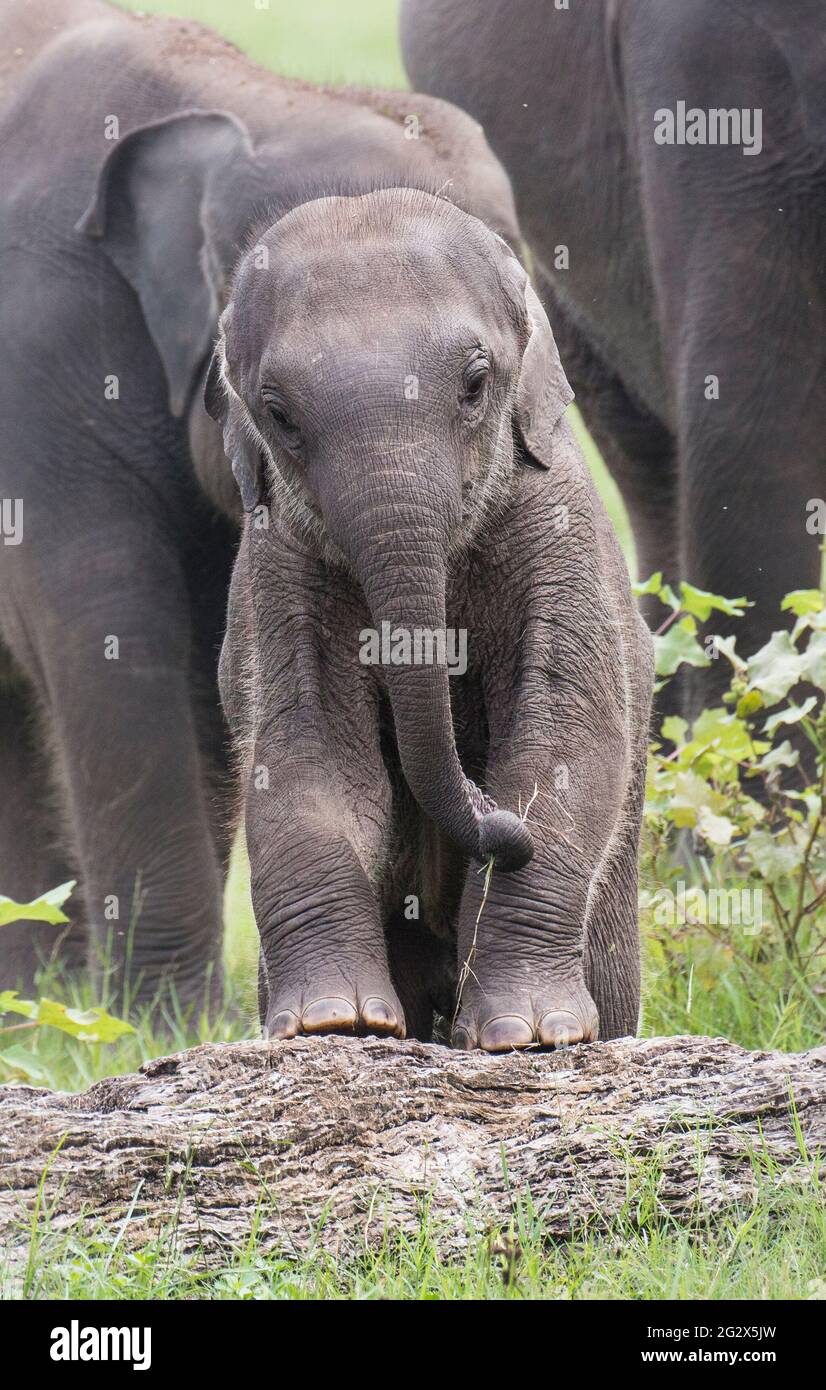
[387, 390]
[393, 405]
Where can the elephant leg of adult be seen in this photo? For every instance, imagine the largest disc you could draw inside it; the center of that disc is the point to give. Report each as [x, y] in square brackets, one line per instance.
[737, 246]
[751, 463]
[117, 664]
[32, 859]
[637, 447]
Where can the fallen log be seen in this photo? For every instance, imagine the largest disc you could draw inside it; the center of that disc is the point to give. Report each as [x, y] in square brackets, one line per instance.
[341, 1140]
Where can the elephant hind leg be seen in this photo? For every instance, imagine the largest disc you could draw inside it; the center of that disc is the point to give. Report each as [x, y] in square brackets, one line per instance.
[423, 970]
[31, 854]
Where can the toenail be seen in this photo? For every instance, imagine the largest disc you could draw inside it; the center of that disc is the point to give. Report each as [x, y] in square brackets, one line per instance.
[558, 1028]
[324, 1015]
[286, 1024]
[502, 1034]
[376, 1013]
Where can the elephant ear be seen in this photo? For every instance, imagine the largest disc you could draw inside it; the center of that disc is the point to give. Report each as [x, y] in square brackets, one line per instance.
[543, 393]
[149, 212]
[243, 445]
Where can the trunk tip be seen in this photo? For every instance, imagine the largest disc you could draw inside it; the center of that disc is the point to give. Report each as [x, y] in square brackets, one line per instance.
[507, 838]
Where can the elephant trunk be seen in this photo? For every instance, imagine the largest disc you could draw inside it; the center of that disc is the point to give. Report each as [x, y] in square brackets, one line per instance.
[400, 562]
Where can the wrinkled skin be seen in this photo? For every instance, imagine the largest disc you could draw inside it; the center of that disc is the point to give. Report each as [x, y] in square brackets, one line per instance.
[366, 507]
[363, 786]
[114, 771]
[685, 261]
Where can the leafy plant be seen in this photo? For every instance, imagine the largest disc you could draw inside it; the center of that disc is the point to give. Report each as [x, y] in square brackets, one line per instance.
[91, 1025]
[47, 908]
[736, 787]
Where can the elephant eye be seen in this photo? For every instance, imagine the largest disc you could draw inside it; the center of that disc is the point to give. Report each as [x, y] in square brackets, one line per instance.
[475, 379]
[285, 425]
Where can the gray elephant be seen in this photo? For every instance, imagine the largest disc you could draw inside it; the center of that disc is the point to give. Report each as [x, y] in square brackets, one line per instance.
[669, 166]
[387, 391]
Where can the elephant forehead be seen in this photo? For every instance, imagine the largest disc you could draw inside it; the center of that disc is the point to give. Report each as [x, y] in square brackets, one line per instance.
[393, 247]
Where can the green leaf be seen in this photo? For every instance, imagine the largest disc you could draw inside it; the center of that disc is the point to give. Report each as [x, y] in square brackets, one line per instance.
[726, 731]
[814, 660]
[781, 756]
[678, 645]
[18, 1064]
[726, 645]
[674, 729]
[702, 604]
[791, 715]
[46, 908]
[717, 830]
[651, 586]
[88, 1025]
[749, 704]
[771, 856]
[776, 668]
[690, 795]
[751, 810]
[11, 1003]
[803, 602]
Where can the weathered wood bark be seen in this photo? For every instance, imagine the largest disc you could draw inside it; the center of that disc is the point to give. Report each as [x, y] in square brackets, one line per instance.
[283, 1134]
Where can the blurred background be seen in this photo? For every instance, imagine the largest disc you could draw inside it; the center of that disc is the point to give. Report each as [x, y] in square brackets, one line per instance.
[353, 41]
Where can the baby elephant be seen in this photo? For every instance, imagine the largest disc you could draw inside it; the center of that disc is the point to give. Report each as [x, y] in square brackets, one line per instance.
[434, 671]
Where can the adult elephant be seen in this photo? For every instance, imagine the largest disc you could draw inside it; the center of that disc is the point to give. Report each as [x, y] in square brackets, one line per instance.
[138, 156]
[669, 166]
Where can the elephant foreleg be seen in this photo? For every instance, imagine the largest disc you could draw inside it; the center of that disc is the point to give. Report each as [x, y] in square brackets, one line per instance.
[562, 755]
[324, 964]
[113, 649]
[318, 806]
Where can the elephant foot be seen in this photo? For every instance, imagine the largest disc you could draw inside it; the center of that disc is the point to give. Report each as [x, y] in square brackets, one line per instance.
[558, 1016]
[354, 1007]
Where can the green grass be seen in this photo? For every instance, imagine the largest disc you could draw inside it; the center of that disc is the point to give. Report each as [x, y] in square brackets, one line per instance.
[336, 41]
[734, 989]
[771, 1249]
